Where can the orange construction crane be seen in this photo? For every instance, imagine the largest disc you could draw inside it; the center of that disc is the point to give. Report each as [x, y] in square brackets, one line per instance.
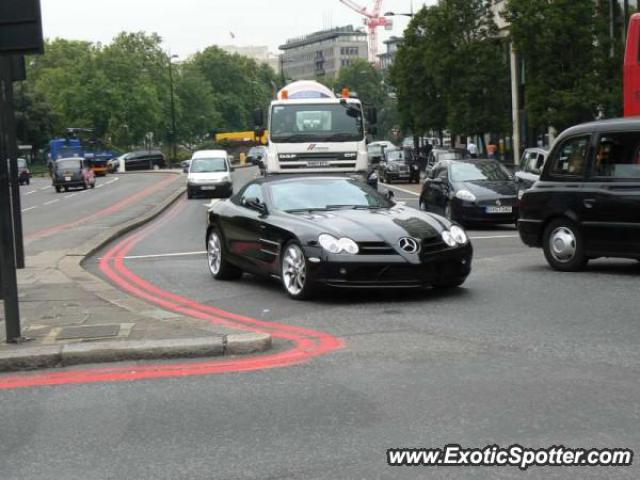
[373, 20]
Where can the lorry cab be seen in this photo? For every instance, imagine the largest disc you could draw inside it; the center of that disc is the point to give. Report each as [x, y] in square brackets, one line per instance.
[312, 131]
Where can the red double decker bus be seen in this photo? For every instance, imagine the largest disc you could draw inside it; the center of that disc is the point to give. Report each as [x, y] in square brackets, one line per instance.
[632, 69]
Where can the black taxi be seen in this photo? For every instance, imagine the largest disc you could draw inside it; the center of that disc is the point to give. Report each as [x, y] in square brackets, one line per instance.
[586, 204]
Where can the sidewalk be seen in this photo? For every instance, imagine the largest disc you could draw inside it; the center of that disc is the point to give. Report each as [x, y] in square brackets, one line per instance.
[73, 317]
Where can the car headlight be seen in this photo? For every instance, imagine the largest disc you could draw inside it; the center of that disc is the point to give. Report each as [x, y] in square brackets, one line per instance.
[448, 238]
[459, 235]
[392, 166]
[465, 195]
[333, 245]
[226, 178]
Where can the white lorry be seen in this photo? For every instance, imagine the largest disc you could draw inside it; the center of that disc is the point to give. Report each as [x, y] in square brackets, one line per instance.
[313, 131]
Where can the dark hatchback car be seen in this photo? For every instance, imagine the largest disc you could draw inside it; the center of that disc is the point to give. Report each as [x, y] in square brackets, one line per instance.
[586, 204]
[531, 165]
[72, 173]
[471, 191]
[145, 160]
[332, 231]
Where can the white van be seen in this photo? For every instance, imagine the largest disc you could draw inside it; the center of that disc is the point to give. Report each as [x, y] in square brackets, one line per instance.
[210, 174]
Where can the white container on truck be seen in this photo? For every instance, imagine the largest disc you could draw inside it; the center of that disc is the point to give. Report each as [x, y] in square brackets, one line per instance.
[313, 131]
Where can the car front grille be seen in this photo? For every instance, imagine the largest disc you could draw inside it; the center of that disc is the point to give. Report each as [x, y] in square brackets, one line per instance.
[375, 248]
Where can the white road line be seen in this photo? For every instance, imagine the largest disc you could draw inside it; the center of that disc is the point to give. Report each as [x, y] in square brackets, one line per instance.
[183, 254]
[393, 187]
[52, 202]
[494, 236]
[27, 209]
[101, 185]
[44, 188]
[71, 196]
[32, 191]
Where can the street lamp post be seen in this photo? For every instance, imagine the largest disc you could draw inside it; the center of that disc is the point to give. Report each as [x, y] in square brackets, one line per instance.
[174, 146]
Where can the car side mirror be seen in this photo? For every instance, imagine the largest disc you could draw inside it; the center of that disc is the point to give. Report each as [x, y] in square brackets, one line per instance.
[254, 203]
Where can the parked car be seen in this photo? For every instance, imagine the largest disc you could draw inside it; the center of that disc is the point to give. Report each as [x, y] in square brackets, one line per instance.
[587, 202]
[72, 172]
[144, 160]
[24, 174]
[471, 191]
[210, 173]
[531, 164]
[332, 231]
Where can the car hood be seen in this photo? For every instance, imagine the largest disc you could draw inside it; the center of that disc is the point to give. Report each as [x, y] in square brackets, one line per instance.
[485, 189]
[387, 225]
[208, 175]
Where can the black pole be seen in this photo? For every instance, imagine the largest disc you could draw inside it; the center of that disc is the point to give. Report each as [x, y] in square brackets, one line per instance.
[7, 254]
[12, 152]
[173, 113]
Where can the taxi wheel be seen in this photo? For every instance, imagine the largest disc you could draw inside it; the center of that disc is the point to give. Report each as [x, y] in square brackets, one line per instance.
[58, 189]
[66, 189]
[563, 246]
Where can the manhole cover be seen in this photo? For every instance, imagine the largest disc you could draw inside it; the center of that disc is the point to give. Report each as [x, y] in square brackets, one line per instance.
[88, 331]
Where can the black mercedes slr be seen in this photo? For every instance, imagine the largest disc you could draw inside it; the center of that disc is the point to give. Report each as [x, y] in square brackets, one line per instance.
[311, 232]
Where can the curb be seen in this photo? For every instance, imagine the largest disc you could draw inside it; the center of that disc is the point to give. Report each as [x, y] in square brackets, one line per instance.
[129, 351]
[70, 265]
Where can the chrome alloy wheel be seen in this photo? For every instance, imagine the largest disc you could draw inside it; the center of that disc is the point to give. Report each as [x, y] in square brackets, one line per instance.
[294, 270]
[562, 244]
[214, 253]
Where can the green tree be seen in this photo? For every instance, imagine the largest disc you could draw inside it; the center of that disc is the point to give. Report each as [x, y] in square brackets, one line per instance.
[566, 53]
[362, 78]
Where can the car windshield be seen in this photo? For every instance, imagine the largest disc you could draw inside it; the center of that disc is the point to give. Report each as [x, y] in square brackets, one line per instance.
[306, 195]
[480, 171]
[316, 123]
[395, 156]
[68, 164]
[208, 165]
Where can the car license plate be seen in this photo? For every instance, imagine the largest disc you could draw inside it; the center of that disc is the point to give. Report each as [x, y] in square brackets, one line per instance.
[318, 163]
[67, 179]
[210, 187]
[499, 209]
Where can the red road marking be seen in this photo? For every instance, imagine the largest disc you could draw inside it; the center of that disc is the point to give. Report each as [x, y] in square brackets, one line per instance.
[307, 343]
[116, 207]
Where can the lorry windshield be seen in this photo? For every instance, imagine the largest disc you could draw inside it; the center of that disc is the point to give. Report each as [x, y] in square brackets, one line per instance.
[316, 123]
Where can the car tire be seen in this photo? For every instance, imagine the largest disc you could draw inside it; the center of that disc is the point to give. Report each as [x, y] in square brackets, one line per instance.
[563, 246]
[66, 189]
[219, 267]
[58, 189]
[189, 194]
[294, 272]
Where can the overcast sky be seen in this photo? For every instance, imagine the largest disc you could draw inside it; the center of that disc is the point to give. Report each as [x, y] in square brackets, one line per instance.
[191, 25]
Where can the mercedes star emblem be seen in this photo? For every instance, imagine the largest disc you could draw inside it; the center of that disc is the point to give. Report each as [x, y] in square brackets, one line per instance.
[409, 245]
